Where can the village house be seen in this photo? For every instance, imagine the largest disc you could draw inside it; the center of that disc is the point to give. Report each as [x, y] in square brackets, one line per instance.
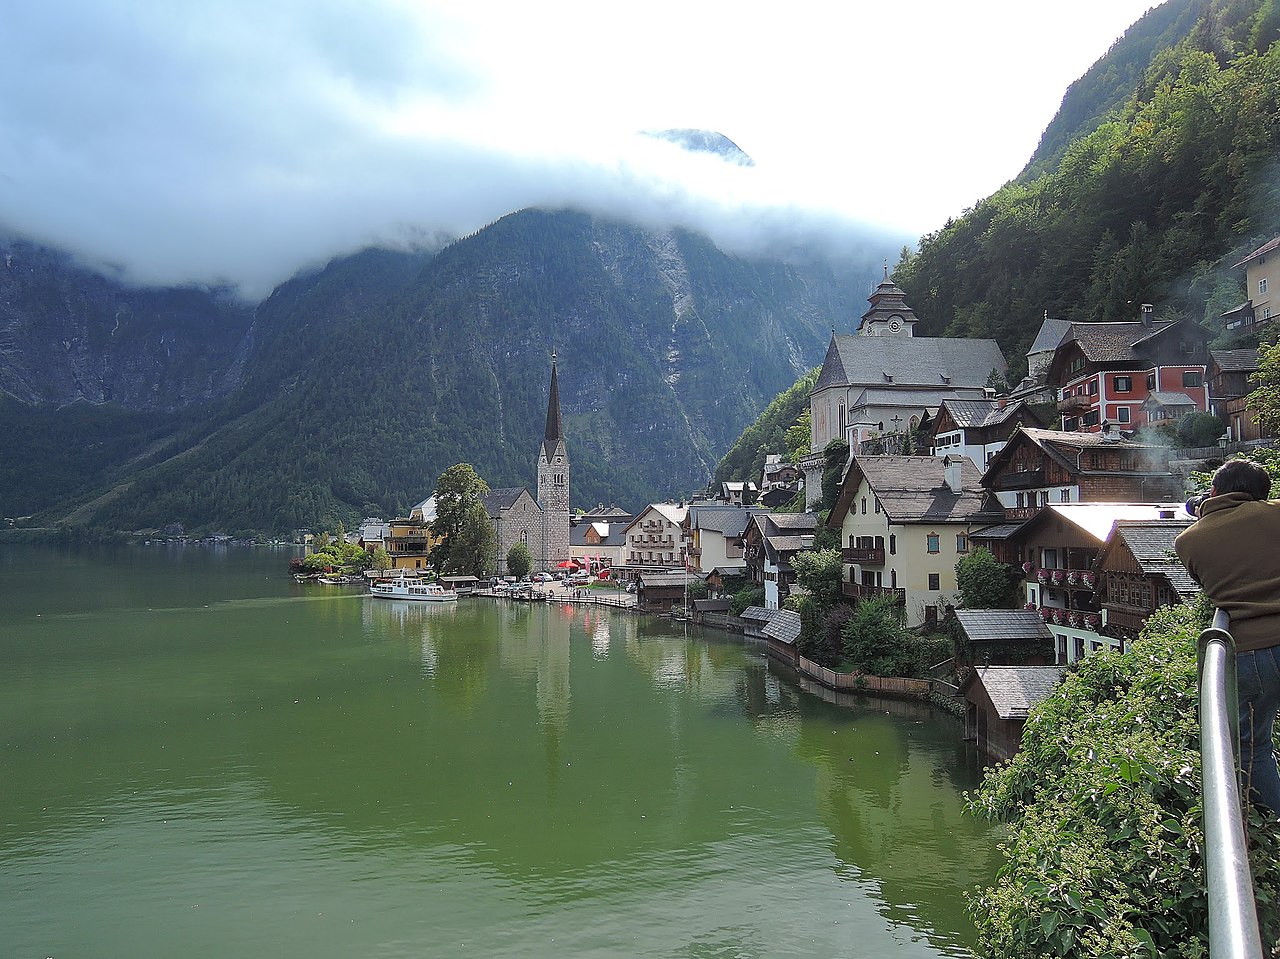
[1229, 389]
[904, 522]
[1262, 272]
[1139, 572]
[769, 543]
[1039, 467]
[1057, 550]
[780, 482]
[713, 536]
[978, 429]
[1130, 374]
[408, 539]
[1002, 637]
[1035, 386]
[884, 379]
[597, 544]
[655, 538]
[998, 700]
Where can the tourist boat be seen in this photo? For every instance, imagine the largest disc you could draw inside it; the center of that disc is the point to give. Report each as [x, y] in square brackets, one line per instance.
[408, 589]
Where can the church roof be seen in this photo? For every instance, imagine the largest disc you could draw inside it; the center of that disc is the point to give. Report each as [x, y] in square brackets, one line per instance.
[497, 500]
[555, 429]
[1052, 332]
[931, 361]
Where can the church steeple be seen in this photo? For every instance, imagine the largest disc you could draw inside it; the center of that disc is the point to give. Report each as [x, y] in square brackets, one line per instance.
[555, 430]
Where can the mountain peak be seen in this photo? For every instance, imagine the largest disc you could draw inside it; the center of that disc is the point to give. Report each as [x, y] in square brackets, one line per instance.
[705, 141]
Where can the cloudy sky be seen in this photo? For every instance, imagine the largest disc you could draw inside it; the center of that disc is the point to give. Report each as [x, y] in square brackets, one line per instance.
[240, 140]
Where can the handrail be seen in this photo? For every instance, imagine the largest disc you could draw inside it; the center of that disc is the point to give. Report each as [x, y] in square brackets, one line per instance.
[1233, 914]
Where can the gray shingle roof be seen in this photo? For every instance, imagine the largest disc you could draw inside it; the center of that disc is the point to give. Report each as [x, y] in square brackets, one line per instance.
[1051, 334]
[662, 580]
[784, 626]
[792, 522]
[974, 413]
[1236, 361]
[729, 520]
[911, 360]
[1168, 398]
[911, 489]
[992, 625]
[1086, 440]
[1015, 689]
[999, 531]
[757, 614]
[1109, 342]
[790, 544]
[500, 499]
[1151, 544]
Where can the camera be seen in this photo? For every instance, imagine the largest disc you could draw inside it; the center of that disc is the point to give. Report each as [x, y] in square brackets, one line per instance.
[1192, 505]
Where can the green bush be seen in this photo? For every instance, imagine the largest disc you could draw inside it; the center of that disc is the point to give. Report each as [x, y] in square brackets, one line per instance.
[750, 596]
[875, 641]
[1104, 856]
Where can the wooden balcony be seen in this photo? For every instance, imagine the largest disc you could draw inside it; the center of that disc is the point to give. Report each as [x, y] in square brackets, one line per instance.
[857, 591]
[1127, 618]
[1075, 404]
[864, 555]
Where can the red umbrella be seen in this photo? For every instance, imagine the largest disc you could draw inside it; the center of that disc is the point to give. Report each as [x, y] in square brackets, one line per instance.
[567, 564]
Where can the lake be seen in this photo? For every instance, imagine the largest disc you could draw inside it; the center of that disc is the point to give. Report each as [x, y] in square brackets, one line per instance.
[201, 757]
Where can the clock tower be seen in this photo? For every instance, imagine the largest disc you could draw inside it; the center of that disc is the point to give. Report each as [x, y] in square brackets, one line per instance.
[553, 483]
[889, 314]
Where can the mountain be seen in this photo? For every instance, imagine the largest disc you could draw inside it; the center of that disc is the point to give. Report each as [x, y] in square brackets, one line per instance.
[350, 389]
[1152, 204]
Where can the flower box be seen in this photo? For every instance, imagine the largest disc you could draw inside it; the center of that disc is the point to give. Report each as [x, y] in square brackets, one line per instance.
[1073, 578]
[1027, 568]
[1059, 577]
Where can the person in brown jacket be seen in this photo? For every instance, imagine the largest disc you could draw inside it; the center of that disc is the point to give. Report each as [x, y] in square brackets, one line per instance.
[1234, 553]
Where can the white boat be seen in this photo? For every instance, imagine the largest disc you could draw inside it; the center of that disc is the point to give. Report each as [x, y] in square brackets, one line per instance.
[409, 589]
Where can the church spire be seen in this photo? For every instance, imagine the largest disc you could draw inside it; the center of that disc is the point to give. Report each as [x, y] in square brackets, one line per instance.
[555, 431]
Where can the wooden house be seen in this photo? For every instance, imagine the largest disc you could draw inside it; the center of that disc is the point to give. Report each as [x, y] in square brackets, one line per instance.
[1139, 572]
[998, 700]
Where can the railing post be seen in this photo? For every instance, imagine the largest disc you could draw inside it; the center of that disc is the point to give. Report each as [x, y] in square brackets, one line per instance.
[1233, 915]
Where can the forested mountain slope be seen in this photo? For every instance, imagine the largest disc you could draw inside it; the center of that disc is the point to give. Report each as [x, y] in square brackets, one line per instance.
[368, 379]
[1151, 206]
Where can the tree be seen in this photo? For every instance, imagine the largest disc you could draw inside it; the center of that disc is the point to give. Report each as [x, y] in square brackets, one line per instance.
[1266, 396]
[835, 456]
[475, 545]
[519, 560]
[381, 561]
[458, 492]
[820, 573]
[984, 582]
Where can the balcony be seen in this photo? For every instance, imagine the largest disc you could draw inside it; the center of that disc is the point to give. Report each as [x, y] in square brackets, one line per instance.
[863, 555]
[1126, 619]
[1074, 405]
[858, 591]
[1026, 479]
[1075, 618]
[1061, 578]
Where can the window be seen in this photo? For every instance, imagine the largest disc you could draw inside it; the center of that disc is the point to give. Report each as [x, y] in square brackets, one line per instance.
[1090, 418]
[1151, 381]
[1122, 415]
[893, 544]
[876, 502]
[1093, 387]
[1064, 495]
[864, 506]
[1124, 384]
[1262, 287]
[1192, 378]
[1071, 424]
[962, 543]
[935, 581]
[932, 541]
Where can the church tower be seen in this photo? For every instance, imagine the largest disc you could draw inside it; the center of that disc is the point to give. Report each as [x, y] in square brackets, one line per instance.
[889, 314]
[553, 482]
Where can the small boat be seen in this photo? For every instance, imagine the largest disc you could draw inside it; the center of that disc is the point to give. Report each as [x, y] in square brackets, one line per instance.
[408, 589]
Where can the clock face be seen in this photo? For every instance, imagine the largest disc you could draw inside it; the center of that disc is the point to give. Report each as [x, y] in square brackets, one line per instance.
[895, 324]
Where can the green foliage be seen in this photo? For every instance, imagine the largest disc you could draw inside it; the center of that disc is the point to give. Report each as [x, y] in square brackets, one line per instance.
[380, 560]
[835, 457]
[747, 596]
[697, 589]
[875, 641]
[335, 554]
[1149, 205]
[776, 430]
[984, 582]
[819, 572]
[475, 545]
[1103, 801]
[519, 560]
[458, 493]
[1266, 457]
[1265, 398]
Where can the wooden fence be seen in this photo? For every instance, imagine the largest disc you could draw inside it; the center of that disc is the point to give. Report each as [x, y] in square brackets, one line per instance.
[860, 682]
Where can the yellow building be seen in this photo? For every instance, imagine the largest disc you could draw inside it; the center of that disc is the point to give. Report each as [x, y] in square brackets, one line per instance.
[904, 522]
[1262, 273]
[409, 538]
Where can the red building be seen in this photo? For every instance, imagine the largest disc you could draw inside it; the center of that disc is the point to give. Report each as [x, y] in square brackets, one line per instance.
[1130, 374]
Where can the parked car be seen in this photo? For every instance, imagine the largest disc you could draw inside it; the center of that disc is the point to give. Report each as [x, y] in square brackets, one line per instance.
[543, 577]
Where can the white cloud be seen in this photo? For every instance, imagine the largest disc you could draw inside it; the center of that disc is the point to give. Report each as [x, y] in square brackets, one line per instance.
[238, 140]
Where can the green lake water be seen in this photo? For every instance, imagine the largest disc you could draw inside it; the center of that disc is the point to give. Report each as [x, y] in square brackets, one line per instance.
[200, 757]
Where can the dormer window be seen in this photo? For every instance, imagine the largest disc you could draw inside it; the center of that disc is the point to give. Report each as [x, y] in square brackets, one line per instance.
[888, 377]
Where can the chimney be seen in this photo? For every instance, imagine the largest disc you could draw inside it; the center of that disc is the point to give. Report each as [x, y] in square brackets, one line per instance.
[1145, 314]
[951, 473]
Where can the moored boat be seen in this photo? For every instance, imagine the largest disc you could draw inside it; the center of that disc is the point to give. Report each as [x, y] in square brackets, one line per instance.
[410, 589]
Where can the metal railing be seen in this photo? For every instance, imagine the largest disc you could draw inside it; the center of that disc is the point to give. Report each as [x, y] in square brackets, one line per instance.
[1233, 915]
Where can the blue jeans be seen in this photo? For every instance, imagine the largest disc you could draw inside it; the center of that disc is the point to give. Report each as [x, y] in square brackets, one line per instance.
[1259, 684]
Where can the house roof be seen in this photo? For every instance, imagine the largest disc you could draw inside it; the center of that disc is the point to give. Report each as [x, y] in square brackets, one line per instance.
[784, 626]
[1002, 625]
[911, 489]
[662, 580]
[757, 614]
[792, 521]
[1051, 334]
[910, 360]
[912, 397]
[1098, 519]
[975, 413]
[1168, 398]
[1260, 251]
[673, 513]
[1015, 689]
[1151, 544]
[1236, 361]
[729, 520]
[1064, 448]
[789, 544]
[1109, 342]
[611, 534]
[999, 531]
